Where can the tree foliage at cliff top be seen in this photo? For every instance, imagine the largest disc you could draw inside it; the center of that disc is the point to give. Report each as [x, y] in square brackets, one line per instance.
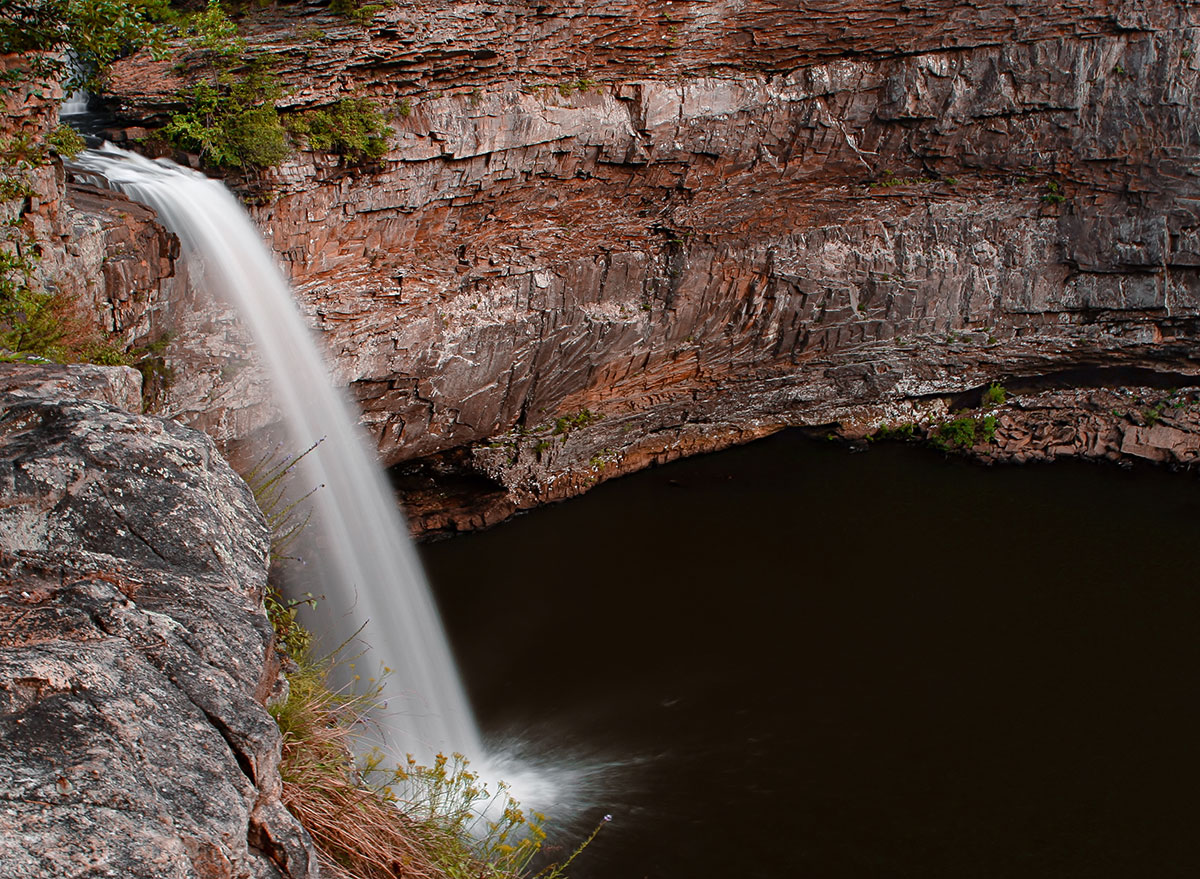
[96, 32]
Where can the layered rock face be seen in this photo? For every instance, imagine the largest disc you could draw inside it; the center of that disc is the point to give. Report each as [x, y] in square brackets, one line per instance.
[100, 251]
[135, 654]
[609, 234]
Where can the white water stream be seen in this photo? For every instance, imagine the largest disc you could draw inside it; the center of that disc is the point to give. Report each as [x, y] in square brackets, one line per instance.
[75, 104]
[375, 592]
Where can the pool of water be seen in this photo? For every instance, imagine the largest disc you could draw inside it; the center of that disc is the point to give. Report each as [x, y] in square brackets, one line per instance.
[789, 660]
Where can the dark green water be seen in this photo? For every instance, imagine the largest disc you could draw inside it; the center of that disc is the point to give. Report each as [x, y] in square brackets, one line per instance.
[811, 663]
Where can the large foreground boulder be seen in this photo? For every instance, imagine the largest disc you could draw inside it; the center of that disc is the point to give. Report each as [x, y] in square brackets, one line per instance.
[135, 656]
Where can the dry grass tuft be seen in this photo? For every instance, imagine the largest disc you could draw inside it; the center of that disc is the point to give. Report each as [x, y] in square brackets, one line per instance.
[358, 833]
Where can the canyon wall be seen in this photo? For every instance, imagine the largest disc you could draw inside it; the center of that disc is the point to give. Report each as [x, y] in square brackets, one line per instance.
[102, 252]
[610, 234]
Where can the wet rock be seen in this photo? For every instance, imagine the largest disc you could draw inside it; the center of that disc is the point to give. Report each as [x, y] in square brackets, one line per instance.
[133, 645]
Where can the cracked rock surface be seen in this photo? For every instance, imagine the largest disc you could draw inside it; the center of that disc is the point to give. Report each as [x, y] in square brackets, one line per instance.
[135, 655]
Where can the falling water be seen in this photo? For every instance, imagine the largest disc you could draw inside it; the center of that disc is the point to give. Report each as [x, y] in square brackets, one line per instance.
[76, 103]
[377, 599]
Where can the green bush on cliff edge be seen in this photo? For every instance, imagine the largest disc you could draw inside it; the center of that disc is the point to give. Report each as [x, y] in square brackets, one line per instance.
[231, 123]
[229, 116]
[353, 127]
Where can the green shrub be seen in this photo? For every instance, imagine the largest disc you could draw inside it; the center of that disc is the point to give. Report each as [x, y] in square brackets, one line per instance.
[994, 395]
[356, 10]
[26, 327]
[157, 375]
[1154, 413]
[12, 188]
[903, 432]
[232, 124]
[583, 84]
[19, 152]
[1054, 193]
[564, 425]
[65, 141]
[229, 118]
[104, 354]
[39, 324]
[964, 432]
[353, 127]
[957, 433]
[211, 30]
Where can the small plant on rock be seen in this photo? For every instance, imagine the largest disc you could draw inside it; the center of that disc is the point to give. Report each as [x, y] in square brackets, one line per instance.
[958, 433]
[903, 432]
[356, 10]
[994, 395]
[65, 141]
[1054, 193]
[567, 423]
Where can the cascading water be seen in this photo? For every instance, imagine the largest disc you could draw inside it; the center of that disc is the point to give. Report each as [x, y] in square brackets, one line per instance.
[377, 600]
[75, 104]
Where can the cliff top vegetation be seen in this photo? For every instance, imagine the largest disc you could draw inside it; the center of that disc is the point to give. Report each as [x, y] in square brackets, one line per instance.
[227, 113]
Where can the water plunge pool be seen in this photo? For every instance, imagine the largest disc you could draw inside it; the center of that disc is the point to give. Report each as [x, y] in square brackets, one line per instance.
[797, 661]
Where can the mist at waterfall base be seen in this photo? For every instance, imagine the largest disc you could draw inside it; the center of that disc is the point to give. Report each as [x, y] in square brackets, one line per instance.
[375, 602]
[854, 665]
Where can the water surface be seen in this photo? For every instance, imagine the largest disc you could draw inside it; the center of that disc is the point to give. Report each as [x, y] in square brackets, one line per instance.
[806, 662]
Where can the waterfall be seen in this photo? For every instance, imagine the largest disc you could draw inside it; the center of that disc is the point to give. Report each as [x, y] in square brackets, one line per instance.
[75, 104]
[376, 598]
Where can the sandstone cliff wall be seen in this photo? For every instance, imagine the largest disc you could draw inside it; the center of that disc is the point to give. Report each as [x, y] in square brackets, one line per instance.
[103, 252]
[702, 221]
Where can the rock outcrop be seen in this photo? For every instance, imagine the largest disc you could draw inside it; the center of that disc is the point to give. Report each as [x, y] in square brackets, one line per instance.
[104, 254]
[1121, 425]
[706, 220]
[135, 655]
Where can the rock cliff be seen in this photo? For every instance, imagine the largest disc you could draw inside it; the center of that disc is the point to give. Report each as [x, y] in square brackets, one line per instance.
[135, 655]
[103, 252]
[671, 227]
